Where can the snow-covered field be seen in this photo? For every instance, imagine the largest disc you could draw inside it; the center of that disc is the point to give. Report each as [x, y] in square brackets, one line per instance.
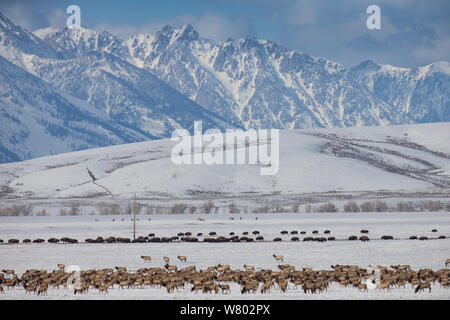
[418, 254]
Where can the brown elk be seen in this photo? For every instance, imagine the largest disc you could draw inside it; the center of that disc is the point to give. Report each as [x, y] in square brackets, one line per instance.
[225, 288]
[222, 267]
[249, 287]
[283, 285]
[166, 260]
[121, 269]
[265, 287]
[8, 271]
[42, 289]
[249, 268]
[103, 289]
[182, 258]
[278, 257]
[2, 290]
[61, 266]
[146, 258]
[362, 287]
[447, 262]
[422, 286]
[30, 288]
[170, 268]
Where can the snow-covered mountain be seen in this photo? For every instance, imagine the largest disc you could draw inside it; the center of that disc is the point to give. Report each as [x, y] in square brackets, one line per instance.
[57, 100]
[152, 84]
[258, 83]
[422, 93]
[126, 94]
[37, 120]
[17, 43]
[72, 43]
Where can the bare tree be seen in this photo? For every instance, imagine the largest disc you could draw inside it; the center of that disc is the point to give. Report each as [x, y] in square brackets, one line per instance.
[368, 206]
[351, 206]
[327, 207]
[208, 206]
[233, 208]
[179, 208]
[434, 205]
[381, 206]
[192, 209]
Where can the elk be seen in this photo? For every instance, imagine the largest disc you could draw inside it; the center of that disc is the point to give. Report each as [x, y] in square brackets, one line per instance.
[170, 268]
[8, 271]
[265, 287]
[447, 262]
[249, 287]
[182, 258]
[422, 286]
[2, 290]
[146, 258]
[225, 288]
[166, 260]
[121, 269]
[43, 289]
[249, 268]
[278, 257]
[222, 267]
[362, 287]
[103, 289]
[283, 285]
[30, 288]
[61, 266]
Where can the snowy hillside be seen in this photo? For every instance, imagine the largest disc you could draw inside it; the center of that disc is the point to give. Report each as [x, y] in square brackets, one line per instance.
[421, 93]
[408, 158]
[38, 120]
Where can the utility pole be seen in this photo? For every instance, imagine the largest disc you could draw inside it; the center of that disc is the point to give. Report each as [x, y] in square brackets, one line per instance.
[134, 216]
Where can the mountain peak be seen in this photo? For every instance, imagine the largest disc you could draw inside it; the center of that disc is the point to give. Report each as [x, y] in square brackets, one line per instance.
[368, 65]
[76, 42]
[184, 33]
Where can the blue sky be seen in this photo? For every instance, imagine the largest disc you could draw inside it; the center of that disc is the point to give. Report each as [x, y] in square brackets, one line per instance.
[413, 32]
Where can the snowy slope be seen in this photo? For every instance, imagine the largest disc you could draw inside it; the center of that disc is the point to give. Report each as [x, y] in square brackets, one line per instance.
[111, 101]
[395, 158]
[17, 43]
[125, 93]
[38, 120]
[422, 93]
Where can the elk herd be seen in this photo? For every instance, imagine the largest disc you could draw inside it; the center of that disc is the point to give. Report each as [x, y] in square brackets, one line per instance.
[218, 278]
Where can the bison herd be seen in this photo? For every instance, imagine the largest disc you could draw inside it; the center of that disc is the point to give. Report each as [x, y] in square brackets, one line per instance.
[213, 237]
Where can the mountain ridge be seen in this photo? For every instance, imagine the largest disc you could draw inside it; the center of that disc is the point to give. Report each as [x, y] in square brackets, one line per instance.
[153, 84]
